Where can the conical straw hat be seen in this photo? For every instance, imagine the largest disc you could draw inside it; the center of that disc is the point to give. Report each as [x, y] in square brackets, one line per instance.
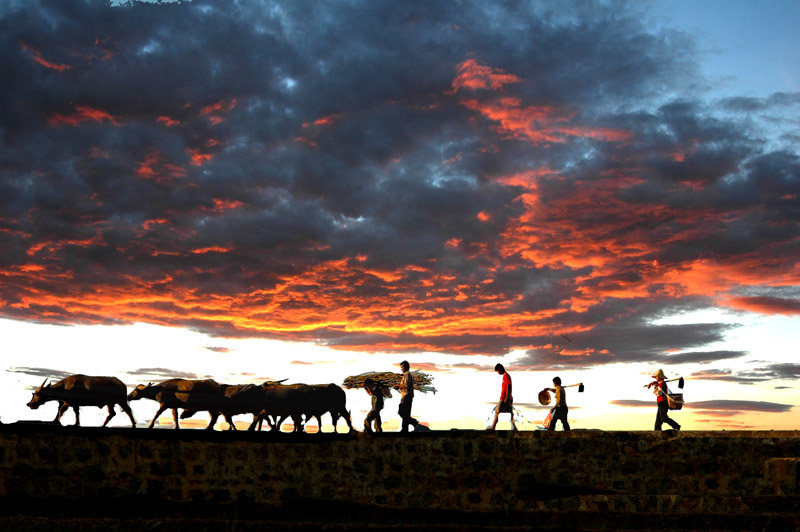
[659, 375]
[544, 397]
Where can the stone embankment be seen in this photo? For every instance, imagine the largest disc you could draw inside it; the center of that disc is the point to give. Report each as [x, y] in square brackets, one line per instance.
[582, 480]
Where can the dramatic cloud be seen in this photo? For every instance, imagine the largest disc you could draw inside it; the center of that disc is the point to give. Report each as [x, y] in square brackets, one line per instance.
[741, 406]
[784, 371]
[720, 407]
[164, 373]
[52, 374]
[464, 178]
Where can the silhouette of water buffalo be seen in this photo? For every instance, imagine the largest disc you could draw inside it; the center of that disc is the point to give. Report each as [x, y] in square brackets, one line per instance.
[235, 399]
[188, 394]
[275, 402]
[83, 390]
[277, 399]
[298, 400]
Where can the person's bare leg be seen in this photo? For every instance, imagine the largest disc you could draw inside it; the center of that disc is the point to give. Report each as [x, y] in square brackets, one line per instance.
[496, 415]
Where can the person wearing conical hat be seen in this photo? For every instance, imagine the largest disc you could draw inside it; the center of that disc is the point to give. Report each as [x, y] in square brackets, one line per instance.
[661, 392]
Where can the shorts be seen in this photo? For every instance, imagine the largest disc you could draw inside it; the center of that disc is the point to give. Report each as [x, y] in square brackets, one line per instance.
[504, 408]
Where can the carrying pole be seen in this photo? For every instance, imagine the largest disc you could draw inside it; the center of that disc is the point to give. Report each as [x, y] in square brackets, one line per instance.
[679, 379]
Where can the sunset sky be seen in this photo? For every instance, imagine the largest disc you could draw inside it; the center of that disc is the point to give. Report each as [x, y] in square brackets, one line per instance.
[310, 190]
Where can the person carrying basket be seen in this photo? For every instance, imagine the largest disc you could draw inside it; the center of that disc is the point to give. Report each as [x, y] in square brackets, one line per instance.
[661, 390]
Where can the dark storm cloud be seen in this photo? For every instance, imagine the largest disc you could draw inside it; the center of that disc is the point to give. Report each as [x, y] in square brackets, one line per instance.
[782, 371]
[719, 407]
[461, 178]
[52, 374]
[164, 373]
[218, 349]
[699, 357]
[750, 104]
[740, 406]
[630, 337]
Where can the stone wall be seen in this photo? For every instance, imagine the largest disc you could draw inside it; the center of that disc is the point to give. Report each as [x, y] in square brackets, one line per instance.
[700, 473]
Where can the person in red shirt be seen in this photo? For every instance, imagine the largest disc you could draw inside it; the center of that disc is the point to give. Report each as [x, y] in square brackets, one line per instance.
[506, 403]
[661, 391]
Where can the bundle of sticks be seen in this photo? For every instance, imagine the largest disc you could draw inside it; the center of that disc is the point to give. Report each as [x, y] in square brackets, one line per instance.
[423, 382]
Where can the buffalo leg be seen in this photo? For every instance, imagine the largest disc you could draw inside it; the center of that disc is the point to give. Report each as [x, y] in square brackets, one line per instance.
[346, 417]
[76, 409]
[62, 407]
[319, 423]
[214, 416]
[127, 409]
[160, 411]
[276, 422]
[111, 414]
[175, 418]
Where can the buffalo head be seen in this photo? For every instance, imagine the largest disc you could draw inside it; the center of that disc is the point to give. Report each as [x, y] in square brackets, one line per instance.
[142, 391]
[37, 400]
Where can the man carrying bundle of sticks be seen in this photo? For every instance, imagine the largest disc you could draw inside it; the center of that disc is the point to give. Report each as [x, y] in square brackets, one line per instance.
[406, 389]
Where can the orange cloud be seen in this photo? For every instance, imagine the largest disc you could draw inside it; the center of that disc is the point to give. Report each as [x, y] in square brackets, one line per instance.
[764, 305]
[83, 114]
[37, 56]
[212, 249]
[52, 247]
[216, 111]
[324, 121]
[197, 157]
[220, 206]
[148, 224]
[167, 121]
[155, 168]
[539, 124]
[472, 75]
[306, 141]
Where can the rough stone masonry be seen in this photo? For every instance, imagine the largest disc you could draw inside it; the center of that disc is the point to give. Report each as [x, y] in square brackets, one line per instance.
[692, 473]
